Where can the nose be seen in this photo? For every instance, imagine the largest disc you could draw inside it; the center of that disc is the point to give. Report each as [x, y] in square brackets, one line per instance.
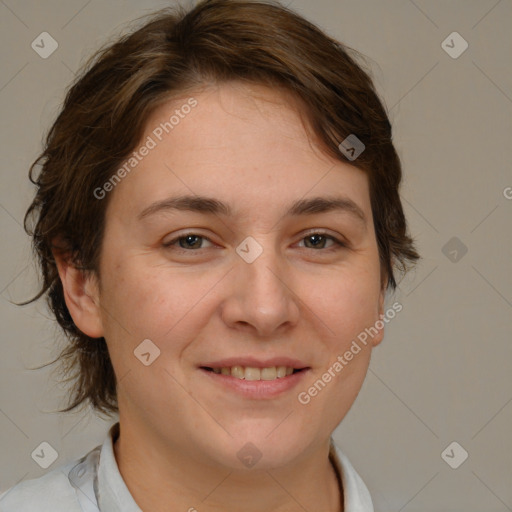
[261, 296]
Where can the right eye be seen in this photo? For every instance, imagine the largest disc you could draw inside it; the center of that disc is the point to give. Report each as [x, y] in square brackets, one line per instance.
[186, 242]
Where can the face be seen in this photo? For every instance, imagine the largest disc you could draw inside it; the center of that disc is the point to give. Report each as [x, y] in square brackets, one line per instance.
[262, 281]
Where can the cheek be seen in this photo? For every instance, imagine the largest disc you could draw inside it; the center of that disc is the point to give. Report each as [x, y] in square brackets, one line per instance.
[347, 303]
[348, 308]
[154, 302]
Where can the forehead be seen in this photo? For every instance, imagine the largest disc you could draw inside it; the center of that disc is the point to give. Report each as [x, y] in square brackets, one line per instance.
[244, 144]
[234, 117]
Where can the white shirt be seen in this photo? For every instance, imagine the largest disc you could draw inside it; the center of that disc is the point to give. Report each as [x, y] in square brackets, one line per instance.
[94, 484]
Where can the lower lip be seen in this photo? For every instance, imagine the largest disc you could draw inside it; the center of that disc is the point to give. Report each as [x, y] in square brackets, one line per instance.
[258, 389]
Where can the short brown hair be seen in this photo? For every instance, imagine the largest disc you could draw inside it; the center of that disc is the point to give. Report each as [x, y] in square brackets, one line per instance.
[106, 109]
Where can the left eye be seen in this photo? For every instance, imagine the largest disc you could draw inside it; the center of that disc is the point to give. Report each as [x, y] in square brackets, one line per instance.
[318, 240]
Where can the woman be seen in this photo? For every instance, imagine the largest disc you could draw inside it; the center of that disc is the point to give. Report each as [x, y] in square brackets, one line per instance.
[217, 221]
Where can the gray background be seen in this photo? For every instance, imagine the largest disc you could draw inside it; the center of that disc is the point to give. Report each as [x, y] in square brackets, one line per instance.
[443, 372]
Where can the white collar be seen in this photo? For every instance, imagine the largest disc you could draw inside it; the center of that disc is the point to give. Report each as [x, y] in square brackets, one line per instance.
[100, 486]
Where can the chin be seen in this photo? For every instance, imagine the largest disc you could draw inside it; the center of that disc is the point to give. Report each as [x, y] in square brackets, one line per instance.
[258, 450]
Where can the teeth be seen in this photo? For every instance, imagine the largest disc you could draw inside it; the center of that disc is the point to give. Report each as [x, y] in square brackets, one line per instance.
[237, 371]
[281, 372]
[251, 373]
[268, 373]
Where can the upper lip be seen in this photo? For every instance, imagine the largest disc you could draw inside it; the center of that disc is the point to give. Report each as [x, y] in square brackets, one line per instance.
[254, 362]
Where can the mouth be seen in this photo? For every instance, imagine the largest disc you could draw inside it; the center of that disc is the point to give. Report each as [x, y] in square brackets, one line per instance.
[253, 373]
[255, 379]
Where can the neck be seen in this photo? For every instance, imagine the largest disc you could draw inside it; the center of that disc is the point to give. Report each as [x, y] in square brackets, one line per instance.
[159, 478]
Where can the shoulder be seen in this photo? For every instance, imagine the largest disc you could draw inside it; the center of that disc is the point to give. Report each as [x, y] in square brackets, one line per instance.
[52, 491]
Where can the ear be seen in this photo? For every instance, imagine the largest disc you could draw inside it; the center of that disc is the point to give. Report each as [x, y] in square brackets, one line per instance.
[81, 293]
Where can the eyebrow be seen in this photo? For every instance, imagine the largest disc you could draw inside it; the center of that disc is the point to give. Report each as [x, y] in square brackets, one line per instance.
[209, 205]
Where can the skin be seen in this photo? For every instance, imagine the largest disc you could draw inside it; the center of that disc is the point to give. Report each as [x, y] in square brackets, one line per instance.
[180, 434]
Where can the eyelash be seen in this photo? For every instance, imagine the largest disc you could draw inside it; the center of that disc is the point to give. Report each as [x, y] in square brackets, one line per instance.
[338, 243]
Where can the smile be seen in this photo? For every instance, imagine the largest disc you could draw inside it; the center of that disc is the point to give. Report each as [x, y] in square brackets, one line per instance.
[252, 373]
[255, 383]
